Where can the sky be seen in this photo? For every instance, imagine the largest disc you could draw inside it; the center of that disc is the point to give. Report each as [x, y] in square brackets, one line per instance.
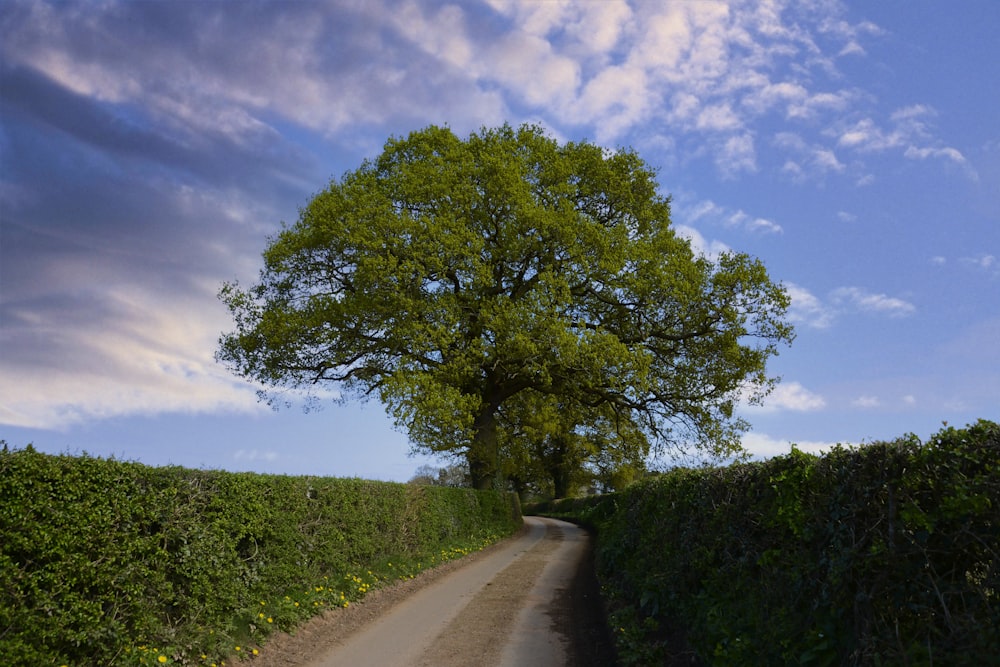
[148, 150]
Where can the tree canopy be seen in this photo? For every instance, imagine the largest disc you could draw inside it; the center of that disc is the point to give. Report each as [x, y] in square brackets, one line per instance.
[449, 276]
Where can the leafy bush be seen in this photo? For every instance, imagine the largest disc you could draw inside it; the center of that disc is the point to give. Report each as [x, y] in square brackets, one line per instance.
[105, 562]
[882, 555]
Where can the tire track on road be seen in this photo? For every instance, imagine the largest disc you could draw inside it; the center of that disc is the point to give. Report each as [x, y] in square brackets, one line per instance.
[465, 618]
[479, 634]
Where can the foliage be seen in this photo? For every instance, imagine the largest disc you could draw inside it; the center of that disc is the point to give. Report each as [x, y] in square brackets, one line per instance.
[554, 447]
[447, 276]
[455, 475]
[104, 562]
[888, 554]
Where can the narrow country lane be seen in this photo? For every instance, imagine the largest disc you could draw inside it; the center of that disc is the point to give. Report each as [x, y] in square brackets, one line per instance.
[514, 607]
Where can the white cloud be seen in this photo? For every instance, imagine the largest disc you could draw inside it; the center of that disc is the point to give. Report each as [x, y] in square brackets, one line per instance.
[718, 117]
[710, 212]
[614, 100]
[981, 261]
[529, 66]
[664, 41]
[443, 35]
[255, 455]
[984, 262]
[911, 132]
[813, 105]
[710, 68]
[807, 309]
[763, 446]
[811, 159]
[878, 303]
[737, 154]
[699, 245]
[864, 135]
[152, 353]
[600, 25]
[952, 154]
[751, 224]
[791, 396]
[769, 95]
[704, 208]
[794, 169]
[866, 402]
[826, 160]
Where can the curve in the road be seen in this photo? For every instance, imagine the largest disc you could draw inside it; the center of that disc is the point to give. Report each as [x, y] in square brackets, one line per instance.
[495, 612]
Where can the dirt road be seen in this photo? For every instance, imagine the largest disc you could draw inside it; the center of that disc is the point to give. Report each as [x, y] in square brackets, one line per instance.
[531, 600]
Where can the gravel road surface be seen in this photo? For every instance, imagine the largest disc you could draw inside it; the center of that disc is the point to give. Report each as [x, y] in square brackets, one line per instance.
[530, 600]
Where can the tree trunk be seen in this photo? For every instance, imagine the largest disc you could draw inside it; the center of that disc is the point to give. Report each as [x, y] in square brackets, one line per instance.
[561, 468]
[560, 482]
[483, 452]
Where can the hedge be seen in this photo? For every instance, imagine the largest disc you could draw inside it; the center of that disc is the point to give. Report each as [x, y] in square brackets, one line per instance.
[105, 562]
[885, 554]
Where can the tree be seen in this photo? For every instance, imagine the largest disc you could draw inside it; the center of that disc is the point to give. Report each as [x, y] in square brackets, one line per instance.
[455, 475]
[447, 276]
[552, 445]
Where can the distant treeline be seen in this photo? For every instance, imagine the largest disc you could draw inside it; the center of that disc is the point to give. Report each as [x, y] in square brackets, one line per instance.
[887, 554]
[104, 562]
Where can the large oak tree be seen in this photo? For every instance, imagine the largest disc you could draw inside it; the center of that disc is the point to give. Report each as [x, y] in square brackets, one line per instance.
[447, 275]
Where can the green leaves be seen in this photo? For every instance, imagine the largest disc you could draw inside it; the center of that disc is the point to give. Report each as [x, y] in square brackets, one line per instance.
[461, 272]
[884, 554]
[101, 561]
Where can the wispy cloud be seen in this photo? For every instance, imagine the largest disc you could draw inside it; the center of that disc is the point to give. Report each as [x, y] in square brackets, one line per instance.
[864, 300]
[250, 455]
[983, 262]
[791, 396]
[866, 402]
[712, 69]
[168, 133]
[809, 310]
[744, 221]
[764, 446]
[105, 355]
[911, 131]
[707, 211]
[710, 249]
[807, 159]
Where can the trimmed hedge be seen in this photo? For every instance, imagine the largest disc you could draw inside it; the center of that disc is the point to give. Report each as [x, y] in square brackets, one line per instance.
[888, 554]
[104, 562]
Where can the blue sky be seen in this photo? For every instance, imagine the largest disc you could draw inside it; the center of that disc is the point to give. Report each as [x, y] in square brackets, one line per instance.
[148, 149]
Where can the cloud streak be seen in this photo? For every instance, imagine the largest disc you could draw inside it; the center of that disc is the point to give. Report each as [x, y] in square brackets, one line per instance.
[147, 150]
[811, 311]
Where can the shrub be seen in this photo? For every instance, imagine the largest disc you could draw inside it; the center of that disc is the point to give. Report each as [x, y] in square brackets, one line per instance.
[881, 555]
[106, 562]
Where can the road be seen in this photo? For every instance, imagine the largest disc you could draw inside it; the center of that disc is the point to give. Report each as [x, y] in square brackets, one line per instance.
[517, 605]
